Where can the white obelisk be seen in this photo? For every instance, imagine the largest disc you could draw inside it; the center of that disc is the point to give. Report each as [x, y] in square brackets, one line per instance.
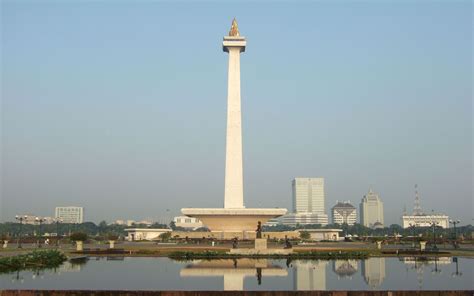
[234, 44]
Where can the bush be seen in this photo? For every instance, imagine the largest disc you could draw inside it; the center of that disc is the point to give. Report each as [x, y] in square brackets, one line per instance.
[112, 237]
[78, 236]
[305, 234]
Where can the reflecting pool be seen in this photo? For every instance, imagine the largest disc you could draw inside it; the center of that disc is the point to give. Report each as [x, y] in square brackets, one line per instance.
[138, 273]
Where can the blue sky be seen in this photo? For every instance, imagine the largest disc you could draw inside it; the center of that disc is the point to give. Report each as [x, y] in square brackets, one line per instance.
[120, 107]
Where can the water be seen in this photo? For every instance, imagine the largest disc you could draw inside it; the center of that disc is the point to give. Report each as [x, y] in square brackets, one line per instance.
[137, 273]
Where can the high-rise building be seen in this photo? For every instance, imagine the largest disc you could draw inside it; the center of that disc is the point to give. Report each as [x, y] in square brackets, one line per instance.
[371, 210]
[308, 195]
[70, 214]
[344, 212]
[308, 202]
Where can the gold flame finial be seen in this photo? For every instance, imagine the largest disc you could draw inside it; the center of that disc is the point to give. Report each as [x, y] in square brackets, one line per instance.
[234, 30]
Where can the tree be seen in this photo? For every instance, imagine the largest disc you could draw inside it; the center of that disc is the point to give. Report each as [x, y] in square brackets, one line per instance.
[165, 236]
[305, 235]
[78, 236]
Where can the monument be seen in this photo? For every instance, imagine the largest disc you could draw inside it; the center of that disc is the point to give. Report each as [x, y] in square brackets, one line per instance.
[234, 217]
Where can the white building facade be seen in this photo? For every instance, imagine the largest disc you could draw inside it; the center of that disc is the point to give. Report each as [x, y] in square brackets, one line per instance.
[344, 212]
[70, 214]
[425, 220]
[371, 210]
[187, 222]
[308, 203]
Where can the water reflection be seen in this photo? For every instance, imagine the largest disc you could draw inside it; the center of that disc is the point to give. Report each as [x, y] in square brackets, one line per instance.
[373, 270]
[407, 273]
[345, 268]
[233, 271]
[309, 275]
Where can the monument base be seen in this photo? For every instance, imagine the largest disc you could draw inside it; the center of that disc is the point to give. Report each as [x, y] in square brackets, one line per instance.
[232, 220]
[260, 244]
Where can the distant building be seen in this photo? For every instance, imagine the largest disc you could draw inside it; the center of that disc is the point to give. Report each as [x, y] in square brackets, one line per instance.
[32, 219]
[424, 220]
[308, 203]
[295, 219]
[371, 210]
[187, 222]
[272, 222]
[323, 234]
[344, 212]
[420, 219]
[137, 234]
[70, 214]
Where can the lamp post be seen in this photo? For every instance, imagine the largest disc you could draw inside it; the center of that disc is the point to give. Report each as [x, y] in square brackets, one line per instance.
[413, 226]
[57, 231]
[454, 222]
[40, 221]
[433, 224]
[21, 219]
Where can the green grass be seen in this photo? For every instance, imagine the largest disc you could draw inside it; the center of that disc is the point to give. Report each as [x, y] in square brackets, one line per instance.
[33, 261]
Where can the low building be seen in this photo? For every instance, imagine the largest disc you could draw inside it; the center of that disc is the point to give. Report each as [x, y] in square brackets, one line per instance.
[425, 220]
[33, 220]
[272, 222]
[295, 219]
[323, 234]
[137, 234]
[187, 222]
[344, 213]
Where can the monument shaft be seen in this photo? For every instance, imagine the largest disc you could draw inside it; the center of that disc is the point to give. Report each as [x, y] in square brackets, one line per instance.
[234, 195]
[234, 217]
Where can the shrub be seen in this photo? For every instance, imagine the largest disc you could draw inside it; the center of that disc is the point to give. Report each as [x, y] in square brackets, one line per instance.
[112, 237]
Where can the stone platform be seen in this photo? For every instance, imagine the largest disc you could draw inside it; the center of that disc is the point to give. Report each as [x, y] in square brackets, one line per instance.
[233, 220]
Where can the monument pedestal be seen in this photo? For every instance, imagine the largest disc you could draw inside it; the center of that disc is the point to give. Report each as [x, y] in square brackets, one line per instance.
[260, 244]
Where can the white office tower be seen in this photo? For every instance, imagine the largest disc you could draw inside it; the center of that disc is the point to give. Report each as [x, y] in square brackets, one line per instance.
[371, 210]
[344, 212]
[70, 214]
[308, 202]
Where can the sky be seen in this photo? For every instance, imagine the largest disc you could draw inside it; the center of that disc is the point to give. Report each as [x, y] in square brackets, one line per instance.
[120, 107]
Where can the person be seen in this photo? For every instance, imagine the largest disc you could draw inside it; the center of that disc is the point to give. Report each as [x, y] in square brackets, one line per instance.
[234, 243]
[46, 242]
[287, 243]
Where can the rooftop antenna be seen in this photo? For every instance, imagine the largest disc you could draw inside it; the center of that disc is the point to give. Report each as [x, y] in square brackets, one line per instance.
[417, 208]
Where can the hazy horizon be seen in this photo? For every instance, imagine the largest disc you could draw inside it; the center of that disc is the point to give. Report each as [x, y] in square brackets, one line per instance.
[121, 107]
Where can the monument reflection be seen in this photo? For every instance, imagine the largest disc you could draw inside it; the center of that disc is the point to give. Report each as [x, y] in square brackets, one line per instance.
[233, 271]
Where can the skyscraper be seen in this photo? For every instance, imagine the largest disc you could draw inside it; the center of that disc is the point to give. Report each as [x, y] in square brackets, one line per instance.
[308, 202]
[70, 214]
[371, 210]
[308, 195]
